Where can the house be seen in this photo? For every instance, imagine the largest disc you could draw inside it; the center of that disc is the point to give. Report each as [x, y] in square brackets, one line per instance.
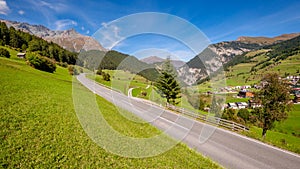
[257, 87]
[245, 93]
[297, 98]
[246, 87]
[237, 87]
[240, 105]
[253, 104]
[232, 106]
[21, 55]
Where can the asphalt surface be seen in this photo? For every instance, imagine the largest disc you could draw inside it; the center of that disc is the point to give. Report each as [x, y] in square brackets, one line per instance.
[227, 148]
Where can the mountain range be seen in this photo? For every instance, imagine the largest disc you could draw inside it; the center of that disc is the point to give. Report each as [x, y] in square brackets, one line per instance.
[216, 55]
[194, 71]
[158, 60]
[68, 39]
[267, 40]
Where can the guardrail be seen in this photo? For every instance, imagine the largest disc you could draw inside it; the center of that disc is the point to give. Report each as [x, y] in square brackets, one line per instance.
[211, 119]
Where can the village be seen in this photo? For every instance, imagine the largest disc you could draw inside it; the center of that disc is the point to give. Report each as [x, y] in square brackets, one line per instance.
[248, 91]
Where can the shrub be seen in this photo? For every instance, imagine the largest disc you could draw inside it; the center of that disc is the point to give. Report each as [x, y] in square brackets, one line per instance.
[99, 72]
[228, 114]
[106, 76]
[41, 63]
[244, 114]
[4, 53]
[144, 93]
[63, 64]
[72, 70]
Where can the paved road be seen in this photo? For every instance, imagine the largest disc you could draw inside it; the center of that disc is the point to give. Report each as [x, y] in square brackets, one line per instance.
[225, 147]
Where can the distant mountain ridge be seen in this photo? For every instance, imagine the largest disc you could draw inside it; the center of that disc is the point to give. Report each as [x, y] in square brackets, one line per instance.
[152, 59]
[68, 39]
[156, 59]
[267, 40]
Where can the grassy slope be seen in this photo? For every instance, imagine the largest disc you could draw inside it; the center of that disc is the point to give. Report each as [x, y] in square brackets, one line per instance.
[239, 73]
[292, 124]
[39, 128]
[123, 81]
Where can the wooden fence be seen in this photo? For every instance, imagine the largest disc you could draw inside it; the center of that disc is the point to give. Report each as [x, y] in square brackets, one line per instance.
[211, 119]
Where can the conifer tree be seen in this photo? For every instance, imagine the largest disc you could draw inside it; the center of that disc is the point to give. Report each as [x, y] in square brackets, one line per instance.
[167, 85]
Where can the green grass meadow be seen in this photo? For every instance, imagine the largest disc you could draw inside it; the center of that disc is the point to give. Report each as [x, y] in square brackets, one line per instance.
[40, 129]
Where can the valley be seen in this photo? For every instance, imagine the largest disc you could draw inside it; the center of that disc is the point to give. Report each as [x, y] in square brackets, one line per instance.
[38, 113]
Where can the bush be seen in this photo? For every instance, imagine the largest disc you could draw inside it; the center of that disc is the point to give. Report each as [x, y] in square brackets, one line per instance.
[63, 64]
[144, 93]
[72, 70]
[80, 70]
[228, 114]
[4, 53]
[106, 76]
[41, 63]
[99, 72]
[244, 114]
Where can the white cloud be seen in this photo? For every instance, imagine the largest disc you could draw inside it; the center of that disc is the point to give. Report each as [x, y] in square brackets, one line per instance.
[82, 28]
[21, 12]
[87, 32]
[64, 24]
[54, 6]
[109, 36]
[4, 9]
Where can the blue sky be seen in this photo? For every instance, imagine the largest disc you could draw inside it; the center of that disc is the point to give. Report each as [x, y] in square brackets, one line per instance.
[218, 20]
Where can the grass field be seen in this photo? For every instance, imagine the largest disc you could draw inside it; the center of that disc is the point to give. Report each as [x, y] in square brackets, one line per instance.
[121, 80]
[292, 124]
[278, 139]
[40, 129]
[286, 134]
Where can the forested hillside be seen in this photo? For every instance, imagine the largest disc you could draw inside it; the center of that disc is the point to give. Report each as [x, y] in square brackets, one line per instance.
[23, 41]
[114, 60]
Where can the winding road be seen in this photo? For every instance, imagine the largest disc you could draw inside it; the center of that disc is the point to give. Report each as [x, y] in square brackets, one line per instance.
[227, 148]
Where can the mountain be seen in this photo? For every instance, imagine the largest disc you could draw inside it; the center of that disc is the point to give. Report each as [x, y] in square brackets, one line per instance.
[113, 60]
[24, 41]
[211, 59]
[267, 40]
[157, 60]
[224, 54]
[282, 58]
[152, 59]
[68, 39]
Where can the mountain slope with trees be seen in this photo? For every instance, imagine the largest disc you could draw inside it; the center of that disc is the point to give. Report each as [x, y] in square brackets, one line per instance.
[114, 60]
[23, 41]
[68, 39]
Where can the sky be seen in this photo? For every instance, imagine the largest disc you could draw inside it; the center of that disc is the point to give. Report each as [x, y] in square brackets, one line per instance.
[217, 20]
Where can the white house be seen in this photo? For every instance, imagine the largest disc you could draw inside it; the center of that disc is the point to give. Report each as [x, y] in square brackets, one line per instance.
[21, 55]
[232, 106]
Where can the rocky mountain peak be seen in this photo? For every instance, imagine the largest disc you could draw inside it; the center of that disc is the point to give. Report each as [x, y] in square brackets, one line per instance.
[68, 39]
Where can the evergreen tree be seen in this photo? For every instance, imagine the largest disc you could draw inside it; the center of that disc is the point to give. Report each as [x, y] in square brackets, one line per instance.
[167, 85]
